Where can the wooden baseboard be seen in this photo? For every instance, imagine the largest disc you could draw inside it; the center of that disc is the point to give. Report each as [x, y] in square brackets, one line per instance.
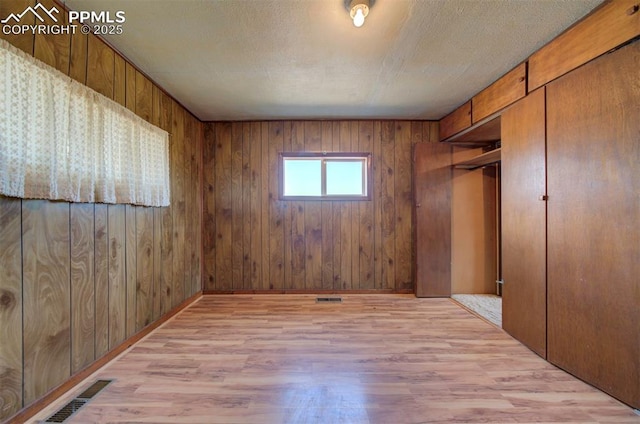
[37, 406]
[310, 292]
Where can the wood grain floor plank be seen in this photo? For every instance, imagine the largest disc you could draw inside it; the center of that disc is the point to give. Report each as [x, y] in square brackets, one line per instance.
[371, 359]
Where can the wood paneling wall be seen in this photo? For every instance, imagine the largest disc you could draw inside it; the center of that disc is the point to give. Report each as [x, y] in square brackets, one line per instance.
[255, 242]
[77, 279]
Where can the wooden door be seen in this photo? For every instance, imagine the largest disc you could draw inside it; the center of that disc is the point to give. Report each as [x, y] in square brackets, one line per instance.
[524, 302]
[432, 208]
[593, 162]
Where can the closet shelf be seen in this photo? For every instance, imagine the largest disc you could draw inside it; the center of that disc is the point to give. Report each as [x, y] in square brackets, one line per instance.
[479, 161]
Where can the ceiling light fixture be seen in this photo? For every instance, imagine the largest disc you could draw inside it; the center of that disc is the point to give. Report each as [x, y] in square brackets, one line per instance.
[359, 9]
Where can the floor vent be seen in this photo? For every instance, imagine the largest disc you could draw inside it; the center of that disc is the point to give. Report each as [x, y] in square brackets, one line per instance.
[94, 389]
[66, 411]
[328, 300]
[72, 407]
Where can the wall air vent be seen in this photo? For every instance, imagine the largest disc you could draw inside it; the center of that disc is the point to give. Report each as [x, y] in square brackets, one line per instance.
[332, 299]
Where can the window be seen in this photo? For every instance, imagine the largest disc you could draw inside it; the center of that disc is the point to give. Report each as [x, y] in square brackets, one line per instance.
[325, 176]
[70, 143]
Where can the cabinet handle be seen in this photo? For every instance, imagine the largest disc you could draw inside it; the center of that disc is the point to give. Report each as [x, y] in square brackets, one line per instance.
[543, 198]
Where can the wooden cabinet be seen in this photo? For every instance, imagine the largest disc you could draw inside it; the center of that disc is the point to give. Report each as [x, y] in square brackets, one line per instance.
[524, 291]
[456, 121]
[432, 176]
[506, 90]
[571, 286]
[593, 168]
[612, 24]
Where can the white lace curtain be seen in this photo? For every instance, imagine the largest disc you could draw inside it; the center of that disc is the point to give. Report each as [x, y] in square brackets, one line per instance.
[61, 140]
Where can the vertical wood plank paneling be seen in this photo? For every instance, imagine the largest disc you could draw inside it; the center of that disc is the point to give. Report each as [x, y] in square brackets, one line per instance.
[81, 261]
[346, 219]
[403, 203]
[313, 216]
[11, 365]
[327, 218]
[130, 89]
[120, 80]
[430, 131]
[101, 279]
[25, 40]
[144, 97]
[223, 207]
[78, 57]
[247, 213]
[209, 212]
[287, 210]
[263, 243]
[100, 66]
[298, 246]
[83, 305]
[53, 49]
[144, 269]
[194, 192]
[187, 140]
[377, 168]
[157, 221]
[178, 181]
[237, 259]
[196, 263]
[266, 264]
[336, 220]
[157, 263]
[46, 291]
[366, 252]
[388, 204]
[255, 205]
[355, 217]
[131, 256]
[276, 216]
[166, 254]
[117, 274]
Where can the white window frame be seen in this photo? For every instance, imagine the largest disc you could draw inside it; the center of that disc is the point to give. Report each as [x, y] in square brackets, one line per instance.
[325, 157]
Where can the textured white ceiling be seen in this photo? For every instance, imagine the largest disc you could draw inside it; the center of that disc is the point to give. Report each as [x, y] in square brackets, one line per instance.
[290, 59]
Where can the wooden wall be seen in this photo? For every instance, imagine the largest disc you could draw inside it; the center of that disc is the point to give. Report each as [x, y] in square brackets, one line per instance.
[77, 279]
[255, 242]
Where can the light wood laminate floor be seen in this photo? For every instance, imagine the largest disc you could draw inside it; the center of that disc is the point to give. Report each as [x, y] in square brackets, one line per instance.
[372, 359]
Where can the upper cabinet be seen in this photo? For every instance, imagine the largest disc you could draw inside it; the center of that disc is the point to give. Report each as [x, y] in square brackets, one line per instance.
[511, 87]
[609, 26]
[477, 122]
[456, 121]
[613, 24]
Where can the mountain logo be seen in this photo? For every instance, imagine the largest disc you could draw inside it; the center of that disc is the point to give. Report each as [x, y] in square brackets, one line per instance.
[34, 10]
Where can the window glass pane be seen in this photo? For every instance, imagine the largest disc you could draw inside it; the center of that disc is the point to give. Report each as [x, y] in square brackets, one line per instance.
[345, 177]
[302, 177]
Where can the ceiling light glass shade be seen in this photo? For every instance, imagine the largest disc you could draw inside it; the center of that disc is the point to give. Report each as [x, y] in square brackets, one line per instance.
[358, 11]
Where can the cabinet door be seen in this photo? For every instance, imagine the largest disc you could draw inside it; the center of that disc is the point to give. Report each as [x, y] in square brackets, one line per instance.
[432, 177]
[524, 293]
[593, 160]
